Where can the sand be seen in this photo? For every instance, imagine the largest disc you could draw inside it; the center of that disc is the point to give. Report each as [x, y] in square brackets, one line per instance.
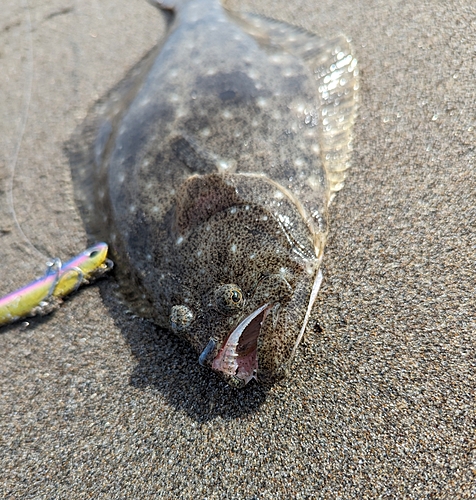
[381, 403]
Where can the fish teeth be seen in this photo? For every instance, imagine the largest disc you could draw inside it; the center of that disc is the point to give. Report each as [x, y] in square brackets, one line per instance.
[229, 359]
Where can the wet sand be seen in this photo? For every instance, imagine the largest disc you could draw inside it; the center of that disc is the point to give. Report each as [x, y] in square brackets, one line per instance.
[98, 404]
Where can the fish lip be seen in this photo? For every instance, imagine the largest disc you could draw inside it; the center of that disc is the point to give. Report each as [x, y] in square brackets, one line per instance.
[228, 362]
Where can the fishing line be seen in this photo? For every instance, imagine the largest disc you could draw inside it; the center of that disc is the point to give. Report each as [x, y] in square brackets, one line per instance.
[24, 120]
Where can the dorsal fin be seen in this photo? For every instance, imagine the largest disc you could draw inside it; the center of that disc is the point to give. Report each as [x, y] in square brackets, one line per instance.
[335, 69]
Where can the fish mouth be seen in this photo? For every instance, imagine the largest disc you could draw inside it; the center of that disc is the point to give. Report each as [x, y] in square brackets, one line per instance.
[237, 359]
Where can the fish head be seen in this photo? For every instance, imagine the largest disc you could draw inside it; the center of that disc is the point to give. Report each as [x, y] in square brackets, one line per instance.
[248, 266]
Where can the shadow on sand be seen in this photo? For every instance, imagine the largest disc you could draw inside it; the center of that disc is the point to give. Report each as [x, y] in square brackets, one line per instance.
[169, 365]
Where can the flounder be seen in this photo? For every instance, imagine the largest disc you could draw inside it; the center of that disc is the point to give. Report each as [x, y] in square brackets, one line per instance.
[212, 174]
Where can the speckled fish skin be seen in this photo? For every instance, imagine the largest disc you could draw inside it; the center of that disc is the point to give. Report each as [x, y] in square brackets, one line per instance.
[213, 179]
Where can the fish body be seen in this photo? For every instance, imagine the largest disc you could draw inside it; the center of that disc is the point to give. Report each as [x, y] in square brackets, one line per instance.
[41, 296]
[212, 176]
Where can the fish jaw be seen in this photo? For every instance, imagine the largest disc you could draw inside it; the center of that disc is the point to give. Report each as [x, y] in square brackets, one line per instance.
[263, 344]
[279, 339]
[241, 367]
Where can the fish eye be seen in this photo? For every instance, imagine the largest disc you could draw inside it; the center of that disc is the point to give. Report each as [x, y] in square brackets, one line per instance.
[229, 298]
[180, 318]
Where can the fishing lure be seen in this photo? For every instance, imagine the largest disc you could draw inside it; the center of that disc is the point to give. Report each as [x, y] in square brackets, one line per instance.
[44, 295]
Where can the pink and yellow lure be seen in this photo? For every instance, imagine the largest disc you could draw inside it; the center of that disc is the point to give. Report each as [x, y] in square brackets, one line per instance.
[43, 295]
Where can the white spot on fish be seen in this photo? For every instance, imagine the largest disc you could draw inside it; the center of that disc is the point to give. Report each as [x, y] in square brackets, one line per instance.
[205, 132]
[313, 182]
[233, 248]
[310, 132]
[179, 240]
[261, 102]
[226, 165]
[227, 114]
[155, 209]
